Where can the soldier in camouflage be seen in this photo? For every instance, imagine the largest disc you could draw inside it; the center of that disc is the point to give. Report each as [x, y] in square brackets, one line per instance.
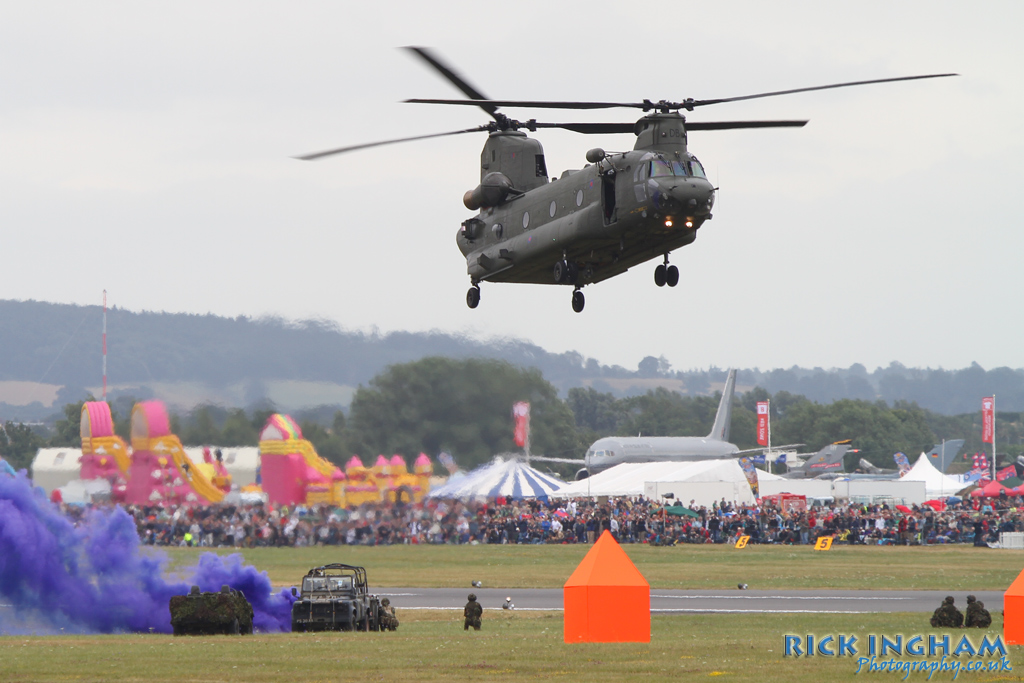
[473, 613]
[977, 616]
[947, 615]
[388, 618]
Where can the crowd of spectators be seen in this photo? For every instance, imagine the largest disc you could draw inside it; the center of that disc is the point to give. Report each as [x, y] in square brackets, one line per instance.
[630, 520]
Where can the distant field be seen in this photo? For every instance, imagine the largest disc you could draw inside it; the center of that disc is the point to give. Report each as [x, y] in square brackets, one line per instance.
[954, 568]
[431, 646]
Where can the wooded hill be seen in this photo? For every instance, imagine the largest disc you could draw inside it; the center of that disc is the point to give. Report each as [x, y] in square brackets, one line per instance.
[61, 344]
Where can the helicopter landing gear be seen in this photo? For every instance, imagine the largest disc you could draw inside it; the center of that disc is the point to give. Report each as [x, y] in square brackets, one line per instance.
[578, 301]
[565, 272]
[473, 296]
[671, 276]
[665, 274]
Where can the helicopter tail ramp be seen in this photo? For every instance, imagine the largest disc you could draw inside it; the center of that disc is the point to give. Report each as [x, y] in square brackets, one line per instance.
[161, 473]
[291, 470]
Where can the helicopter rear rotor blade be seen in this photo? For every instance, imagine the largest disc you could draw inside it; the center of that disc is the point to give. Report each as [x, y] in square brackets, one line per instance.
[479, 99]
[352, 148]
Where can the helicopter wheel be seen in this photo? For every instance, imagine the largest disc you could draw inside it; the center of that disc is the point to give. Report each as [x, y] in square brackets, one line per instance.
[560, 272]
[578, 301]
[671, 276]
[660, 275]
[473, 297]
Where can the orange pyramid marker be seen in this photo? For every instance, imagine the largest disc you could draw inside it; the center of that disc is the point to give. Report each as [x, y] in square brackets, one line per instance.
[607, 599]
[1013, 612]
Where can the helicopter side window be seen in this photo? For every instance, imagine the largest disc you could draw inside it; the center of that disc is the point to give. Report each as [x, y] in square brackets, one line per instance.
[660, 169]
[698, 170]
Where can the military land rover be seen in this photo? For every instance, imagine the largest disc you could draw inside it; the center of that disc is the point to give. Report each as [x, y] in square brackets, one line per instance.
[336, 597]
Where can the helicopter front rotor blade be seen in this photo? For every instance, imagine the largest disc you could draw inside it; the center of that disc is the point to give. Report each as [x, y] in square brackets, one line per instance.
[590, 128]
[352, 148]
[730, 125]
[535, 104]
[458, 81]
[690, 104]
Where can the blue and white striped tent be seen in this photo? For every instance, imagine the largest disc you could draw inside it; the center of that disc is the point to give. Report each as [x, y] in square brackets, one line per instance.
[506, 475]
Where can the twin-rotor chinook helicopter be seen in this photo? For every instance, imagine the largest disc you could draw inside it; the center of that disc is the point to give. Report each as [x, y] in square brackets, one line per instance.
[588, 225]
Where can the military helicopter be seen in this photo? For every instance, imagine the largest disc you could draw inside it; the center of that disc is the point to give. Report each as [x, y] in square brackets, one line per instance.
[622, 209]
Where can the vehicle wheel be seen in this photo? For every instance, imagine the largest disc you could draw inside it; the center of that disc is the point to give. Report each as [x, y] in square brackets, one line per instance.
[560, 271]
[659, 275]
[671, 276]
[578, 301]
[473, 297]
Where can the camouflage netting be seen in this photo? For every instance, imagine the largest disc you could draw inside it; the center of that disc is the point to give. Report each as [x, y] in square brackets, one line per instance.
[210, 613]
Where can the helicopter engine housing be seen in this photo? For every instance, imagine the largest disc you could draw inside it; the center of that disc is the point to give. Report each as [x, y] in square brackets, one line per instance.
[493, 190]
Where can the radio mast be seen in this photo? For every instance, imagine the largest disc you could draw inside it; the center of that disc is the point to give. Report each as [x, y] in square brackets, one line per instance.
[104, 345]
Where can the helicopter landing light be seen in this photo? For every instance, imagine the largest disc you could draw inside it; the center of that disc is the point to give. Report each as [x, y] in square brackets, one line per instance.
[668, 222]
[689, 224]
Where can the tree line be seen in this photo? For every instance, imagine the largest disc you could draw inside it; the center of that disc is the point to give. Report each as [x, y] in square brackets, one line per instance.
[463, 407]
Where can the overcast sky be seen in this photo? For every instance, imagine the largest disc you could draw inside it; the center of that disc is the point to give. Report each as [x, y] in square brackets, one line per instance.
[145, 148]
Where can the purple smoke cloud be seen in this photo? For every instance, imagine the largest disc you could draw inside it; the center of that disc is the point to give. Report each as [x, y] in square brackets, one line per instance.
[55, 577]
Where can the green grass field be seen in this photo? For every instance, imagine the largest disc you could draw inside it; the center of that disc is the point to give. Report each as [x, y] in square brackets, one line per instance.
[953, 568]
[431, 646]
[519, 646]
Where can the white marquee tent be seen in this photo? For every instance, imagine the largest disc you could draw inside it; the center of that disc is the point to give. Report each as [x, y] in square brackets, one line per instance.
[936, 484]
[704, 482]
[56, 467]
[505, 476]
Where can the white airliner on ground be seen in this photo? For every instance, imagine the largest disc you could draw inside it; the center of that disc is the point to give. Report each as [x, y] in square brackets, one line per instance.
[614, 450]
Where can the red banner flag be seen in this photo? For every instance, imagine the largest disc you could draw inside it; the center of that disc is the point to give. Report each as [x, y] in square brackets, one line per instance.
[762, 423]
[1006, 473]
[988, 419]
[521, 413]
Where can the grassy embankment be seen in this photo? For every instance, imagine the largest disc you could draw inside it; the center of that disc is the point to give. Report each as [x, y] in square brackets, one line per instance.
[952, 568]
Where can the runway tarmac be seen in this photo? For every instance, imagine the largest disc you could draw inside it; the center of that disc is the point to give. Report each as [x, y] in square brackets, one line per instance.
[707, 601]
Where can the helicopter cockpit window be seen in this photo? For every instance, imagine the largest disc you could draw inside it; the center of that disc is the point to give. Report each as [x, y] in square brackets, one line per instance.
[698, 170]
[660, 169]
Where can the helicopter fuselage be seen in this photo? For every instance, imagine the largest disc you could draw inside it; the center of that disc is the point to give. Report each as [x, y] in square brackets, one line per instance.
[617, 212]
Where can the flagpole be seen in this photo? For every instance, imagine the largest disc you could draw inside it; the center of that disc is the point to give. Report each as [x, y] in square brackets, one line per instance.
[768, 459]
[993, 437]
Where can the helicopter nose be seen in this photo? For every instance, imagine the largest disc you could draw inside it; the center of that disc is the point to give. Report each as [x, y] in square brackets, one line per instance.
[692, 196]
